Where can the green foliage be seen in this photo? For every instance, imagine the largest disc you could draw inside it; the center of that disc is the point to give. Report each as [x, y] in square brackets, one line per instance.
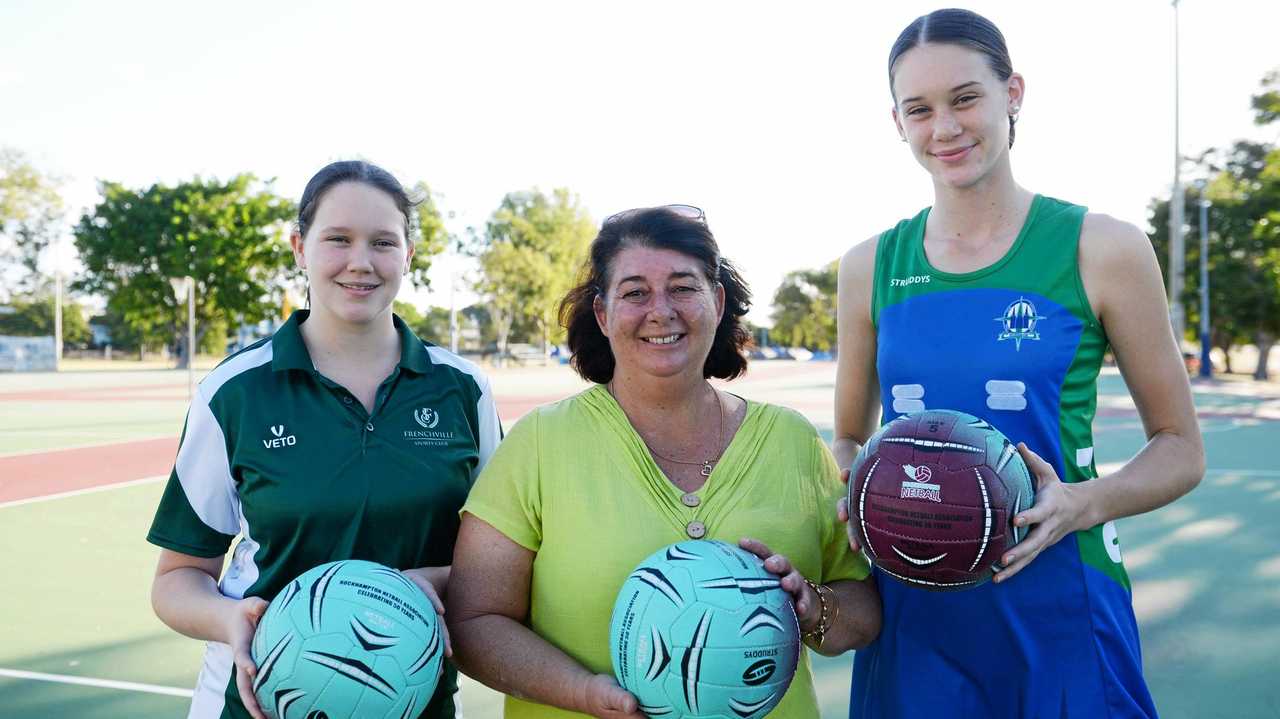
[1243, 185]
[230, 236]
[31, 217]
[1244, 245]
[123, 337]
[1266, 104]
[34, 317]
[432, 327]
[433, 238]
[479, 316]
[213, 341]
[529, 258]
[804, 309]
[24, 191]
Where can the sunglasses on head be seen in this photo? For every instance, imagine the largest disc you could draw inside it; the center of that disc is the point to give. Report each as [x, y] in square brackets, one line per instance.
[687, 211]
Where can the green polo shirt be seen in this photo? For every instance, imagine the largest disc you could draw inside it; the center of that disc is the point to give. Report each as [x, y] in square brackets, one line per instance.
[292, 463]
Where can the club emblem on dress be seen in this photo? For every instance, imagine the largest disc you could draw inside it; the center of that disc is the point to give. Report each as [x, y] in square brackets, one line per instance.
[1019, 322]
[427, 417]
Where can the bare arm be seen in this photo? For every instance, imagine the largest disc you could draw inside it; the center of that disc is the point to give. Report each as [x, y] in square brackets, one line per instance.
[185, 596]
[857, 386]
[857, 383]
[488, 605]
[1123, 283]
[856, 617]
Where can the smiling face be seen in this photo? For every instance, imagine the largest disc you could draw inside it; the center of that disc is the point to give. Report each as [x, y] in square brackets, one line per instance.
[953, 110]
[659, 312]
[355, 253]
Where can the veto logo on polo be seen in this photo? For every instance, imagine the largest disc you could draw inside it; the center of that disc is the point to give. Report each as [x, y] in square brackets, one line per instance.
[280, 439]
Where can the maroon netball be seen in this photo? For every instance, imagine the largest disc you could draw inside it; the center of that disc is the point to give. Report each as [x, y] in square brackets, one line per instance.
[932, 496]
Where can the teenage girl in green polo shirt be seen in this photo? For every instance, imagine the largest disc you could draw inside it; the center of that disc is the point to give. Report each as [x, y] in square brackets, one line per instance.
[342, 436]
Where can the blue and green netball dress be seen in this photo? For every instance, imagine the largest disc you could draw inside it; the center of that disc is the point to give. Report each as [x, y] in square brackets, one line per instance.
[1017, 344]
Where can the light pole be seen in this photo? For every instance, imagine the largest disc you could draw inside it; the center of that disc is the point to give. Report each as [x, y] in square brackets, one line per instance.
[453, 313]
[57, 321]
[185, 288]
[1177, 248]
[1206, 367]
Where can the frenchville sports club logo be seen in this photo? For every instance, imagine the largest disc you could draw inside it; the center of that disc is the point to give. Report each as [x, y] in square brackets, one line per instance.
[917, 485]
[1019, 323]
[427, 419]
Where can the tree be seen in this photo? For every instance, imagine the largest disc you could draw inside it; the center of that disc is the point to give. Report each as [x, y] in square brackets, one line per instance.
[31, 217]
[1243, 185]
[1244, 248]
[123, 337]
[1266, 104]
[34, 317]
[530, 255]
[804, 309]
[432, 326]
[433, 238]
[230, 236]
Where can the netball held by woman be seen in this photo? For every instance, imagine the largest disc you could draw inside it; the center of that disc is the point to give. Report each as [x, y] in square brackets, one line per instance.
[584, 489]
[305, 444]
[1001, 303]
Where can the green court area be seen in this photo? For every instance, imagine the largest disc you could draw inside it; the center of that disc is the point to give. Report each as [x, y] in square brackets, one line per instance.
[77, 572]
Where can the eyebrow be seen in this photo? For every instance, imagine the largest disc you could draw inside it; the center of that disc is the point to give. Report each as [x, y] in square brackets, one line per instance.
[957, 88]
[347, 230]
[672, 276]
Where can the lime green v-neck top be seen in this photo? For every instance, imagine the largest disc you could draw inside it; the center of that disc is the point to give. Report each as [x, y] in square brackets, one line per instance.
[574, 483]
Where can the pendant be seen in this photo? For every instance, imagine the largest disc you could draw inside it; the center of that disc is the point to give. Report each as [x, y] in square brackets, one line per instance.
[706, 468]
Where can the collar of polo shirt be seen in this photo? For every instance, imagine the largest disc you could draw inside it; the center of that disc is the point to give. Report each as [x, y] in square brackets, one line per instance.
[290, 352]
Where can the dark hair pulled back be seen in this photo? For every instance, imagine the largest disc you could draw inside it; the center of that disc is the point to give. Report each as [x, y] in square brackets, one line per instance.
[336, 173]
[954, 26]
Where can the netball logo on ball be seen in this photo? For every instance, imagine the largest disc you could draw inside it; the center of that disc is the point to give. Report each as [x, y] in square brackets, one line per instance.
[1019, 322]
[918, 486]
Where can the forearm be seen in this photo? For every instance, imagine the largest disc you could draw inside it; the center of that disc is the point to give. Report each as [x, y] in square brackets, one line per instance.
[1169, 466]
[188, 601]
[845, 450]
[855, 618]
[507, 656]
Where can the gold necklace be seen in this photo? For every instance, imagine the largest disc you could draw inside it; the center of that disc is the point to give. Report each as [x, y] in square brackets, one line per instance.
[707, 464]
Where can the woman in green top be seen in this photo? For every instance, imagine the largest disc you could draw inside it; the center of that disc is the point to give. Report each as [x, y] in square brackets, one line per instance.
[306, 445]
[582, 490]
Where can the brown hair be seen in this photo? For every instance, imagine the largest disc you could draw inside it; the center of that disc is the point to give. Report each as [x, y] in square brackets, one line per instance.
[662, 229]
[954, 26]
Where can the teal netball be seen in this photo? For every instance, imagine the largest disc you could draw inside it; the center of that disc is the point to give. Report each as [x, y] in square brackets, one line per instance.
[348, 638]
[701, 629]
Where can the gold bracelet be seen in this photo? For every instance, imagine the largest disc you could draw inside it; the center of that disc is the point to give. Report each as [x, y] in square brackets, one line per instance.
[825, 614]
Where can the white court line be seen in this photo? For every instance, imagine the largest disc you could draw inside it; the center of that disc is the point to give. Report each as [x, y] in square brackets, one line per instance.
[78, 492]
[99, 683]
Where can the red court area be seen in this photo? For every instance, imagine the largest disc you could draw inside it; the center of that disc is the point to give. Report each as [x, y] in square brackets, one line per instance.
[36, 475]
